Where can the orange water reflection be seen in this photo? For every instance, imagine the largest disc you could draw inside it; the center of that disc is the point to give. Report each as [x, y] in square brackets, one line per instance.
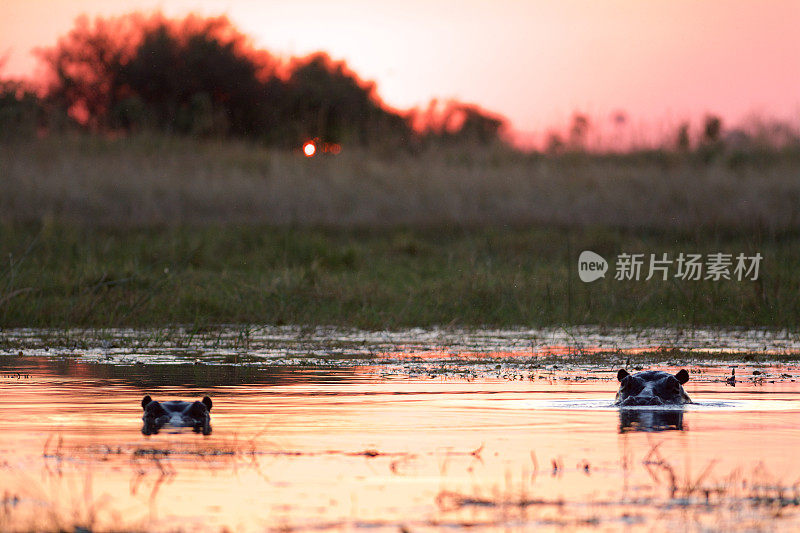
[340, 448]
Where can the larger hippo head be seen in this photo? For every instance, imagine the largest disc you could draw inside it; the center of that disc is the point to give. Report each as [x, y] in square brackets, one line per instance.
[176, 414]
[651, 389]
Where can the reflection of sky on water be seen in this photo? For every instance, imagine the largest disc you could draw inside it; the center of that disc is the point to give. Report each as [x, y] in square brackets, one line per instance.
[340, 447]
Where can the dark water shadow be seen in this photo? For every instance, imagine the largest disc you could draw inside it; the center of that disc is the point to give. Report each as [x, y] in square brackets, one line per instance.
[148, 376]
[648, 419]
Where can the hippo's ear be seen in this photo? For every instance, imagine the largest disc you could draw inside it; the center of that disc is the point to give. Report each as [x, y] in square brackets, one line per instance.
[682, 376]
[207, 402]
[147, 399]
[622, 374]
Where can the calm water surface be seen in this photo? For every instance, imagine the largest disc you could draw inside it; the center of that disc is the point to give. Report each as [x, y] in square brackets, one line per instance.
[347, 447]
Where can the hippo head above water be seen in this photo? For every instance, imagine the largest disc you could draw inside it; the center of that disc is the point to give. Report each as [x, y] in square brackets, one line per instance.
[652, 389]
[176, 414]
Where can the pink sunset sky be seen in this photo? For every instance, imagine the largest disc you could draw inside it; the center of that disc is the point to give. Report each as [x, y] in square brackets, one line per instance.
[536, 62]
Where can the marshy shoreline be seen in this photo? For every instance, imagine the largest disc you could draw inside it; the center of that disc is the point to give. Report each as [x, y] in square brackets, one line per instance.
[61, 276]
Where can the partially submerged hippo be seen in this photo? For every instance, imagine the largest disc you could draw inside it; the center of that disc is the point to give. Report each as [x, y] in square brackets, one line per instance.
[176, 414]
[652, 388]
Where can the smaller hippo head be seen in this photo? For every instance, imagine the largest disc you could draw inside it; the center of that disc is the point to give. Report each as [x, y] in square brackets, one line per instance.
[651, 389]
[176, 414]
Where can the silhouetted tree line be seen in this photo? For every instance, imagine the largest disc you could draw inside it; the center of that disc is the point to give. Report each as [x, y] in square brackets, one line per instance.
[708, 141]
[201, 76]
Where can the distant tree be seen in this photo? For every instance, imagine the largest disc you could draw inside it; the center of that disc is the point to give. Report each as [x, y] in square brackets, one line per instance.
[712, 128]
[85, 65]
[188, 76]
[554, 143]
[578, 131]
[682, 141]
[479, 126]
[200, 76]
[329, 101]
[458, 122]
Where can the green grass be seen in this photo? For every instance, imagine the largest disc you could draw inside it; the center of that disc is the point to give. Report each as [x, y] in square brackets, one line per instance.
[63, 275]
[160, 231]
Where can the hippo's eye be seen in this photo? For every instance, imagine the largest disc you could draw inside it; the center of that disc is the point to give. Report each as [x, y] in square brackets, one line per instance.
[631, 385]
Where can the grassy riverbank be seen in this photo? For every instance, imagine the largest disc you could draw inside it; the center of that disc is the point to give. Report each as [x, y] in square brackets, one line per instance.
[58, 275]
[155, 230]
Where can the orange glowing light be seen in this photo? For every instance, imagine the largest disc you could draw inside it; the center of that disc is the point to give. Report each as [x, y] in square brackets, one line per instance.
[309, 149]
